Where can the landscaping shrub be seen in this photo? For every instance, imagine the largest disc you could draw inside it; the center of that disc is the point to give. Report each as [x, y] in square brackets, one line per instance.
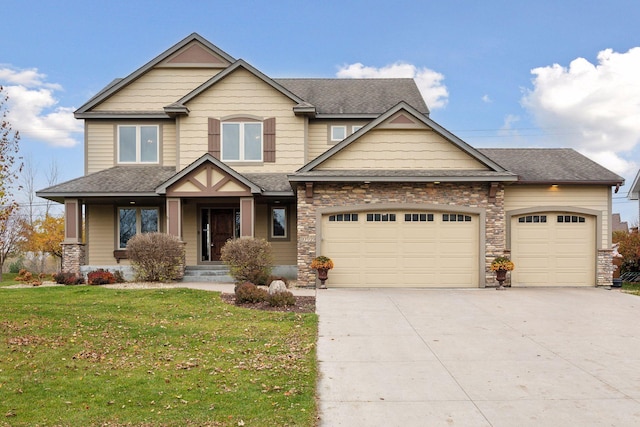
[248, 292]
[156, 257]
[249, 259]
[119, 276]
[16, 266]
[282, 299]
[68, 278]
[629, 248]
[24, 276]
[100, 277]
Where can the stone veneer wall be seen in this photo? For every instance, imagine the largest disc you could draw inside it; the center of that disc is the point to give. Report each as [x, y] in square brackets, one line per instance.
[605, 267]
[73, 256]
[350, 194]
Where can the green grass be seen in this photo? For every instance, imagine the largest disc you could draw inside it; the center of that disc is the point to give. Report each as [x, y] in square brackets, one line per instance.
[81, 356]
[631, 288]
[8, 279]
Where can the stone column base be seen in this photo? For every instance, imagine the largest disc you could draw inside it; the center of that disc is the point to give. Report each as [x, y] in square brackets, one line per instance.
[73, 256]
[605, 267]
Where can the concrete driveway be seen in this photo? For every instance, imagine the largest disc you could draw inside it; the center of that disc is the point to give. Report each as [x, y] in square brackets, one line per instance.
[520, 357]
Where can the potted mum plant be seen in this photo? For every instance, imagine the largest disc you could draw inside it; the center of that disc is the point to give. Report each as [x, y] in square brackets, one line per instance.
[501, 265]
[322, 265]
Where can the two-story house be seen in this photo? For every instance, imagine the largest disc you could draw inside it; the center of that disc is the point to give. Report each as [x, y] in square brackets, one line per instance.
[205, 147]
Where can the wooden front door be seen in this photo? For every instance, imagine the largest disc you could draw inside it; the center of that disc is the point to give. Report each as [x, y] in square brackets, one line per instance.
[217, 228]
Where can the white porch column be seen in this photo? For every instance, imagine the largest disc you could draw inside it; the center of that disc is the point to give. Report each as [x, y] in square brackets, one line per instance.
[247, 217]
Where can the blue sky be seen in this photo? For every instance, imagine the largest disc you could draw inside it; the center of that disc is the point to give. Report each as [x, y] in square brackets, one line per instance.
[495, 73]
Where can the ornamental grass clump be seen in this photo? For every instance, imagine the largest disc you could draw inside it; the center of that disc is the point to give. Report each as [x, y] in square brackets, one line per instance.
[502, 263]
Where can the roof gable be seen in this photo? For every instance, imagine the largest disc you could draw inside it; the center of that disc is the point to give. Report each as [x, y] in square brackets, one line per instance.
[192, 51]
[239, 64]
[400, 118]
[205, 177]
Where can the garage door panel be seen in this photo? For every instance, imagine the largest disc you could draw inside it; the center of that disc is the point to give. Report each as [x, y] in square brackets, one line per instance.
[552, 253]
[416, 253]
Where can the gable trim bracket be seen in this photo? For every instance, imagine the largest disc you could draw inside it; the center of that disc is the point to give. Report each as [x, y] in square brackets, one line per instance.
[309, 190]
[493, 190]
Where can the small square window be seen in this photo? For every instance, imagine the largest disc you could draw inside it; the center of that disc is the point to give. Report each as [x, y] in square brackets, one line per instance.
[429, 217]
[581, 219]
[445, 217]
[423, 217]
[354, 217]
[338, 133]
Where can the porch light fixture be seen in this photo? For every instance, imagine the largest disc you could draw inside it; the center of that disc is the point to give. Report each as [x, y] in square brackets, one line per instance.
[132, 203]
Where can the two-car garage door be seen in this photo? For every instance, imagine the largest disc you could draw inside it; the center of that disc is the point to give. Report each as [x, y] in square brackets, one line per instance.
[402, 248]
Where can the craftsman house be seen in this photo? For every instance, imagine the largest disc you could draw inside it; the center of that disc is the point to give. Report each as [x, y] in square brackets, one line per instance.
[205, 147]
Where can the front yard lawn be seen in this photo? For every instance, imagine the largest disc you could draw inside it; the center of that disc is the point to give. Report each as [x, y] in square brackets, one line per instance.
[631, 288]
[81, 355]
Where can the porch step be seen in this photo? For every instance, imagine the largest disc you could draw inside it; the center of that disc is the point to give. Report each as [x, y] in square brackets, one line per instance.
[207, 273]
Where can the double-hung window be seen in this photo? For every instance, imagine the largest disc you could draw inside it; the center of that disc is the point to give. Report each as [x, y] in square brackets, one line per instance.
[138, 144]
[132, 221]
[242, 141]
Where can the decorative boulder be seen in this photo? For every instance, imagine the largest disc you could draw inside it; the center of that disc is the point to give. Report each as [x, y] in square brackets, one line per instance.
[277, 286]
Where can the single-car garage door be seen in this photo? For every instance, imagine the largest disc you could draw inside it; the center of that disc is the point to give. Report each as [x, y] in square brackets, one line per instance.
[553, 249]
[402, 248]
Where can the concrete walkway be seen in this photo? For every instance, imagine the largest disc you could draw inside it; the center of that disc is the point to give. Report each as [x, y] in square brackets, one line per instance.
[521, 357]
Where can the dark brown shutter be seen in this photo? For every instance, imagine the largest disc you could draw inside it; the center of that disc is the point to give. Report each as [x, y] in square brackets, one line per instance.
[269, 130]
[214, 138]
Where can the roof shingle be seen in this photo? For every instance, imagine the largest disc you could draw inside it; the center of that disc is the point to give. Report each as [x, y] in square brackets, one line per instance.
[551, 165]
[356, 96]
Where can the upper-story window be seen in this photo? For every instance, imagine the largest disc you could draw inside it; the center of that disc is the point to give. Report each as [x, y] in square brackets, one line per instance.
[138, 144]
[242, 141]
[338, 133]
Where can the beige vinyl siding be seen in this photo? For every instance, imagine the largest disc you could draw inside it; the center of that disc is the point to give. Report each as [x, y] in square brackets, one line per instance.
[169, 142]
[402, 149]
[100, 146]
[101, 143]
[190, 233]
[284, 251]
[243, 94]
[318, 142]
[319, 135]
[101, 229]
[156, 89]
[580, 196]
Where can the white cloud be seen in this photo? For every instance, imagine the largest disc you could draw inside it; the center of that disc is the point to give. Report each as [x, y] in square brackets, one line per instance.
[428, 81]
[487, 99]
[34, 110]
[593, 108]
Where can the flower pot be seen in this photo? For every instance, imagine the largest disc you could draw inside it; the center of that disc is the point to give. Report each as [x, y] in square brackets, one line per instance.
[323, 274]
[501, 276]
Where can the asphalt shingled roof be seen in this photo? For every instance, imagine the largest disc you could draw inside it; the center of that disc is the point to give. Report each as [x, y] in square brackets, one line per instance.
[356, 96]
[551, 165]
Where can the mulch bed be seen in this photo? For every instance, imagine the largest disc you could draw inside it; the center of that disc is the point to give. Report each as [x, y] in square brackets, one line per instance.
[304, 304]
